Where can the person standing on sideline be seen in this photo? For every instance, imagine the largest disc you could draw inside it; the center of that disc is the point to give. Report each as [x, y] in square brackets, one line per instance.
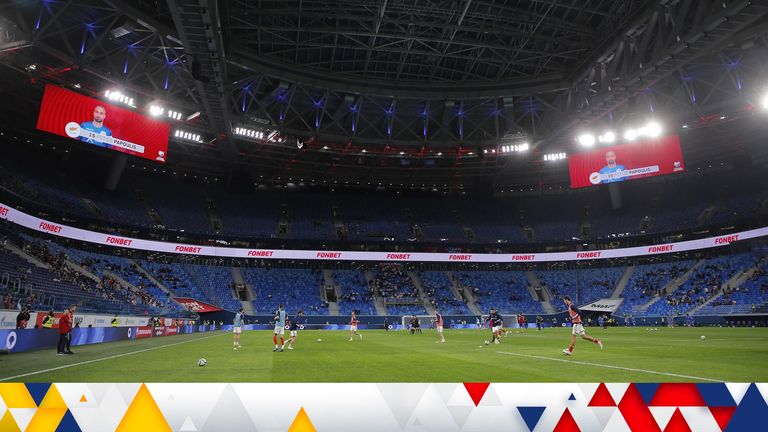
[65, 331]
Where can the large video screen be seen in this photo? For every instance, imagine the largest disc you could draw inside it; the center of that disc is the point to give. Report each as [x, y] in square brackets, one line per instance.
[98, 123]
[626, 162]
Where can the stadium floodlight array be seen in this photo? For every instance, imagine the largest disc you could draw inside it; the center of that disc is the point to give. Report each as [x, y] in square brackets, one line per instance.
[515, 148]
[189, 136]
[117, 96]
[250, 133]
[157, 111]
[650, 130]
[175, 115]
[587, 140]
[555, 156]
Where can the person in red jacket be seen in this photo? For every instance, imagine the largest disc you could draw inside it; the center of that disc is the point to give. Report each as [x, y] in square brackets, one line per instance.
[65, 331]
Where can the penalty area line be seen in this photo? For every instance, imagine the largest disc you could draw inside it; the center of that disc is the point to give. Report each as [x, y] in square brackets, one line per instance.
[104, 358]
[583, 363]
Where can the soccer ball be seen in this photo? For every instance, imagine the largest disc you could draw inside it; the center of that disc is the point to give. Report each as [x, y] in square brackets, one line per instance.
[319, 340]
[703, 337]
[487, 342]
[202, 362]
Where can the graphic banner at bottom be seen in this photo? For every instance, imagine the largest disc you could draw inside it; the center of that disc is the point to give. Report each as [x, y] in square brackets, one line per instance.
[478, 406]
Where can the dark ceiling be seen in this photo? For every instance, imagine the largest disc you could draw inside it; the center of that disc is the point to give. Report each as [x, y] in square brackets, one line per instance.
[398, 89]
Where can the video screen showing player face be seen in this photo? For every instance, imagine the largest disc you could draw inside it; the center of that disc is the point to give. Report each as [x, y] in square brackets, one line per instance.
[626, 162]
[100, 124]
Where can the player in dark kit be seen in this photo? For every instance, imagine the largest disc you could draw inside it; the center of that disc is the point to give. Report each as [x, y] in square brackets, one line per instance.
[293, 326]
[496, 324]
[578, 328]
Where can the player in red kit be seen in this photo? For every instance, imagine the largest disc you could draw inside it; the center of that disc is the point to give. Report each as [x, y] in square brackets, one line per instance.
[521, 323]
[578, 328]
[353, 327]
[439, 324]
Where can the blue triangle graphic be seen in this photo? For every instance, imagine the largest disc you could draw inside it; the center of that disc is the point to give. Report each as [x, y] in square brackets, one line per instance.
[571, 397]
[68, 424]
[38, 391]
[647, 391]
[751, 413]
[716, 394]
[531, 415]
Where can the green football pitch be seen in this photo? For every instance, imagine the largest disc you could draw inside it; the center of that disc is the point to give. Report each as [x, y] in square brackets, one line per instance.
[630, 355]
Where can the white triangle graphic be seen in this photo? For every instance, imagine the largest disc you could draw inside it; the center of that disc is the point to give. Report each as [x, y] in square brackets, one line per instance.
[22, 416]
[662, 415]
[617, 423]
[700, 419]
[738, 390]
[188, 425]
[445, 391]
[603, 414]
[617, 391]
[490, 398]
[401, 402]
[460, 414]
[460, 397]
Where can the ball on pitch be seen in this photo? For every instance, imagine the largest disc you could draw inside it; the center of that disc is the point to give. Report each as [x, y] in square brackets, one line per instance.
[487, 342]
[703, 337]
[319, 340]
[202, 362]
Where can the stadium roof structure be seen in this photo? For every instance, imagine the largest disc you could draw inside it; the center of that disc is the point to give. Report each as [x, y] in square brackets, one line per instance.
[378, 89]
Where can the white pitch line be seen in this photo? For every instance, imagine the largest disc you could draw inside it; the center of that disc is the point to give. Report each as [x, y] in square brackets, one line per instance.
[609, 366]
[103, 358]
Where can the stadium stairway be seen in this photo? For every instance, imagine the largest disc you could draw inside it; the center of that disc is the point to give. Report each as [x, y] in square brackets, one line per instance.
[149, 276]
[622, 283]
[420, 289]
[534, 282]
[333, 308]
[122, 281]
[673, 285]
[328, 280]
[12, 248]
[247, 304]
[454, 288]
[378, 302]
[735, 282]
[328, 277]
[470, 296]
[84, 271]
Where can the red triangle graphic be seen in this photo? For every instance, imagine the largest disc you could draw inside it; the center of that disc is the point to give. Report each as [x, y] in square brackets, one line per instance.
[677, 423]
[602, 397]
[636, 412]
[722, 415]
[566, 423]
[476, 391]
[677, 394]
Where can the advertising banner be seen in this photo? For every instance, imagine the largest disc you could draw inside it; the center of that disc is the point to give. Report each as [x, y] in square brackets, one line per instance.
[61, 230]
[603, 305]
[195, 305]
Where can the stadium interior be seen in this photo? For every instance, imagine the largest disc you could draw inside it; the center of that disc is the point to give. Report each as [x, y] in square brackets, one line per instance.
[440, 127]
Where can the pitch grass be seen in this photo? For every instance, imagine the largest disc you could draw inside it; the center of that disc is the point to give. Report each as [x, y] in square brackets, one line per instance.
[727, 354]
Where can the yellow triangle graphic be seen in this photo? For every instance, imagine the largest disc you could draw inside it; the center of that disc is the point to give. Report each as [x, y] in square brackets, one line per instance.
[53, 399]
[8, 424]
[16, 395]
[301, 423]
[46, 419]
[143, 415]
[83, 399]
